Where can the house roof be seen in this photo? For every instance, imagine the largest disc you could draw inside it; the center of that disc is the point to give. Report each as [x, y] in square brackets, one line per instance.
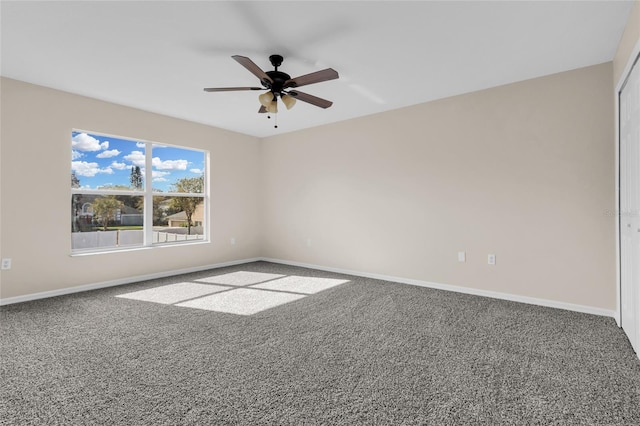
[178, 216]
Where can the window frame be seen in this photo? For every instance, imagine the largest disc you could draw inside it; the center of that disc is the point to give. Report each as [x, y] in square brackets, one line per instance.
[147, 194]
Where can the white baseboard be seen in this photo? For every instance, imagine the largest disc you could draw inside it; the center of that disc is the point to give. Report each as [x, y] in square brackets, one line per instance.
[113, 283]
[458, 289]
[447, 287]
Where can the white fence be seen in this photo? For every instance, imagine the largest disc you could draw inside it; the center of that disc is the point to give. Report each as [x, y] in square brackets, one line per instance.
[125, 238]
[163, 237]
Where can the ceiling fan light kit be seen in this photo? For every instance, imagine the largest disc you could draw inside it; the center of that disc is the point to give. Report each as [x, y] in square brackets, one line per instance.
[288, 101]
[272, 107]
[277, 82]
[266, 98]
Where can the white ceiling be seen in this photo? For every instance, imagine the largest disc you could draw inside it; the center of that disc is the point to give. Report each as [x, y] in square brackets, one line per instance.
[159, 55]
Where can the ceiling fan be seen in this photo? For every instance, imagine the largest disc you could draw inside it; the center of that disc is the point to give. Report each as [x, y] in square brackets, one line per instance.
[280, 84]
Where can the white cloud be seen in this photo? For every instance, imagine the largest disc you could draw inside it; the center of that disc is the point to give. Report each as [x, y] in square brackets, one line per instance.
[136, 157]
[141, 144]
[75, 154]
[196, 171]
[108, 154]
[84, 168]
[169, 164]
[118, 166]
[84, 142]
[159, 176]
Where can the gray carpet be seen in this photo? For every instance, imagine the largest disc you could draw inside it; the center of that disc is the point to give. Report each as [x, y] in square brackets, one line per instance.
[362, 352]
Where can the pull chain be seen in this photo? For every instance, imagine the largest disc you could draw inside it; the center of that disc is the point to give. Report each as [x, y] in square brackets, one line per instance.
[276, 119]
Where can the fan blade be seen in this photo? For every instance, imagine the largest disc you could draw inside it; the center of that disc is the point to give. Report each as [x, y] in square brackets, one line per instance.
[314, 77]
[310, 99]
[253, 68]
[262, 110]
[230, 89]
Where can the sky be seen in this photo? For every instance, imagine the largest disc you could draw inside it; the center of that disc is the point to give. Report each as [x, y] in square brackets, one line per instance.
[100, 161]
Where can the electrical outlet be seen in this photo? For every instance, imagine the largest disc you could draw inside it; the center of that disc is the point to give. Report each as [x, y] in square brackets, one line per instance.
[462, 256]
[491, 260]
[6, 263]
[308, 242]
[233, 241]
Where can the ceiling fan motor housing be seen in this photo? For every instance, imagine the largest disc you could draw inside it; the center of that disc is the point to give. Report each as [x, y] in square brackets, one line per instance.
[279, 78]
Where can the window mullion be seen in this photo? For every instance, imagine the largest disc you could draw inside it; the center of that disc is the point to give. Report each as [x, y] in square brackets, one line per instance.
[148, 195]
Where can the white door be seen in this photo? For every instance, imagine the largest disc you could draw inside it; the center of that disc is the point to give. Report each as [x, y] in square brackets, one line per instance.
[630, 206]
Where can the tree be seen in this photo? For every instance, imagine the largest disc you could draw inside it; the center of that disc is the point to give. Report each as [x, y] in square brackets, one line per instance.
[136, 177]
[75, 201]
[75, 182]
[188, 204]
[162, 207]
[105, 209]
[133, 201]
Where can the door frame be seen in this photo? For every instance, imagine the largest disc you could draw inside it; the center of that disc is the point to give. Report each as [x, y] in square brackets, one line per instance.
[633, 58]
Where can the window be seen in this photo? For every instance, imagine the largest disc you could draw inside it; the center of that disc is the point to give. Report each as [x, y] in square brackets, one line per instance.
[129, 193]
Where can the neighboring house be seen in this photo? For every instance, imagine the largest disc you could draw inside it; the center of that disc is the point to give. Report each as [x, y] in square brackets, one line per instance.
[132, 215]
[87, 210]
[125, 215]
[129, 216]
[180, 218]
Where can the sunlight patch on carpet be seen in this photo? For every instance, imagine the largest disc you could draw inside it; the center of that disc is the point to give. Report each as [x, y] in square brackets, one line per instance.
[240, 278]
[242, 301]
[241, 293]
[173, 293]
[304, 285]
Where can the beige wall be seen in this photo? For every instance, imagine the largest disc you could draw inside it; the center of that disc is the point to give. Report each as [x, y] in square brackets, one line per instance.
[629, 41]
[35, 191]
[524, 171]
